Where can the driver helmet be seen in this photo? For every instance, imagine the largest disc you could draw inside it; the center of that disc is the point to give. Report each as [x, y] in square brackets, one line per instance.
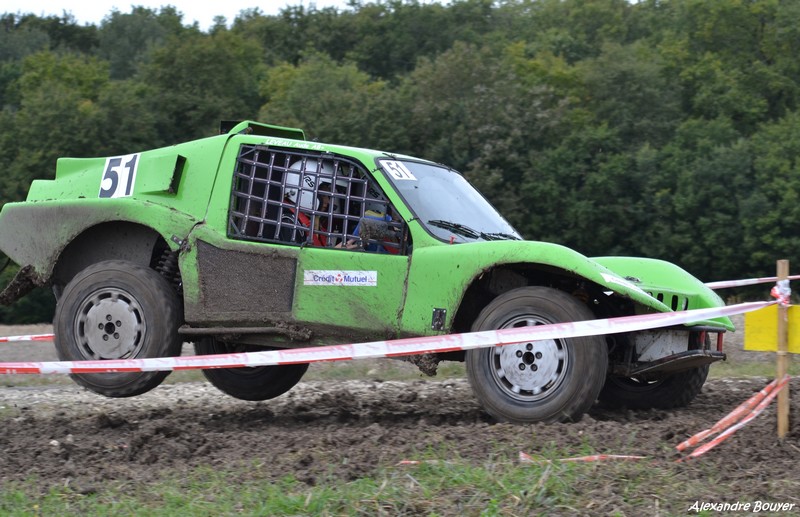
[309, 192]
[376, 203]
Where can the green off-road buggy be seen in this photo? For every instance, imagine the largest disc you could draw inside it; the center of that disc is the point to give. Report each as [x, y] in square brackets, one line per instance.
[258, 239]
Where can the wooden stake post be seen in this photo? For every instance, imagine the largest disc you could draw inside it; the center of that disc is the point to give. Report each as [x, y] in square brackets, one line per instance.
[782, 355]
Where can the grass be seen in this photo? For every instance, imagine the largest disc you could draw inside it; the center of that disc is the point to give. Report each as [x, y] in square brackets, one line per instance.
[725, 369]
[452, 486]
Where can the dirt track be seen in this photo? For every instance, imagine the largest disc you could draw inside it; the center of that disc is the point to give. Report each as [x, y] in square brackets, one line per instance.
[349, 429]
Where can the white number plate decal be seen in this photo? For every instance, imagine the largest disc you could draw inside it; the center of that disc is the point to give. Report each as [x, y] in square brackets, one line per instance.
[119, 176]
[398, 171]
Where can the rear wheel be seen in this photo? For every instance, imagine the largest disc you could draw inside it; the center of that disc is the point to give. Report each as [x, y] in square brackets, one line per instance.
[554, 380]
[117, 310]
[673, 391]
[249, 383]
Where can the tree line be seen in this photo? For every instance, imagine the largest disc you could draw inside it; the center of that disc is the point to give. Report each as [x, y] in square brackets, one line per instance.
[661, 128]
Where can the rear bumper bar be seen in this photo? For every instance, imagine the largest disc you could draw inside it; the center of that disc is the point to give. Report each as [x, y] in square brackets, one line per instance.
[670, 364]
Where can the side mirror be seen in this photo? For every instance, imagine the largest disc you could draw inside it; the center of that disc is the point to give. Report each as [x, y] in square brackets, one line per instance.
[373, 229]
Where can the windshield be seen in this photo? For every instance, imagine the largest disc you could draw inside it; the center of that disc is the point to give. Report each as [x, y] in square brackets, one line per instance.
[445, 203]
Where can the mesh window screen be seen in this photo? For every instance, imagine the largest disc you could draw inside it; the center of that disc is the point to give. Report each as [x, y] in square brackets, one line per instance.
[310, 199]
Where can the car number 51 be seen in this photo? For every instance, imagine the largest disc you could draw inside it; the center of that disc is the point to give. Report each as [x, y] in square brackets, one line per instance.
[119, 176]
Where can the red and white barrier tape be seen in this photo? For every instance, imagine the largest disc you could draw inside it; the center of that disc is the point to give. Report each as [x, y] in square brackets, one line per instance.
[724, 284]
[782, 292]
[527, 458]
[395, 348]
[727, 433]
[743, 409]
[30, 337]
[419, 462]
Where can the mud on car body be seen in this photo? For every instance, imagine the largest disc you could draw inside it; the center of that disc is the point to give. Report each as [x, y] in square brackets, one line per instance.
[258, 239]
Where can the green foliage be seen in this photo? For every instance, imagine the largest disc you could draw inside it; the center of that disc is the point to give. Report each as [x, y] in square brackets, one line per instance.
[200, 79]
[628, 88]
[18, 39]
[56, 117]
[660, 128]
[125, 40]
[62, 33]
[330, 101]
[772, 205]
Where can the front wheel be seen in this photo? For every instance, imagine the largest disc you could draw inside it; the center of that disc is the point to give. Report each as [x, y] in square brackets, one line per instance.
[249, 383]
[554, 380]
[117, 310]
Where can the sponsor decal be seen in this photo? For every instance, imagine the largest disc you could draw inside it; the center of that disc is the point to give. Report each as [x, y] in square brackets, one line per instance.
[344, 278]
[298, 144]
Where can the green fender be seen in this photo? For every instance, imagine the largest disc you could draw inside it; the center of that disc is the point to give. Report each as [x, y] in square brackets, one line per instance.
[51, 225]
[442, 274]
[669, 282]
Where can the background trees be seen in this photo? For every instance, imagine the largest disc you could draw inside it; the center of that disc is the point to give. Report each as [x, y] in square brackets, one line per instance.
[664, 128]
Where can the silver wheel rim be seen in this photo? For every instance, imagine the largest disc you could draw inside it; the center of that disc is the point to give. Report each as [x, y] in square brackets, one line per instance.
[529, 371]
[110, 325]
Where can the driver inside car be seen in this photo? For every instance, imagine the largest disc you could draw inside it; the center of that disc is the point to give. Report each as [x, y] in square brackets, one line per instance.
[376, 225]
[309, 218]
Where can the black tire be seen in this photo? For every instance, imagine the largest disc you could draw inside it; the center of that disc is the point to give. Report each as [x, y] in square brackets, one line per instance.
[249, 383]
[674, 391]
[543, 381]
[117, 310]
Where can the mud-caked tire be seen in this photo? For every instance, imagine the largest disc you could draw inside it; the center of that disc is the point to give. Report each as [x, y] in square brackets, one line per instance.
[672, 391]
[248, 383]
[117, 310]
[539, 381]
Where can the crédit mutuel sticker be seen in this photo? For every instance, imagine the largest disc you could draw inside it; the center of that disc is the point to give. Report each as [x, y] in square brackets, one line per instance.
[343, 278]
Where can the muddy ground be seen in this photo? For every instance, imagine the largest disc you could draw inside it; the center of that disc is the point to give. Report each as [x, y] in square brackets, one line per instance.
[63, 435]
